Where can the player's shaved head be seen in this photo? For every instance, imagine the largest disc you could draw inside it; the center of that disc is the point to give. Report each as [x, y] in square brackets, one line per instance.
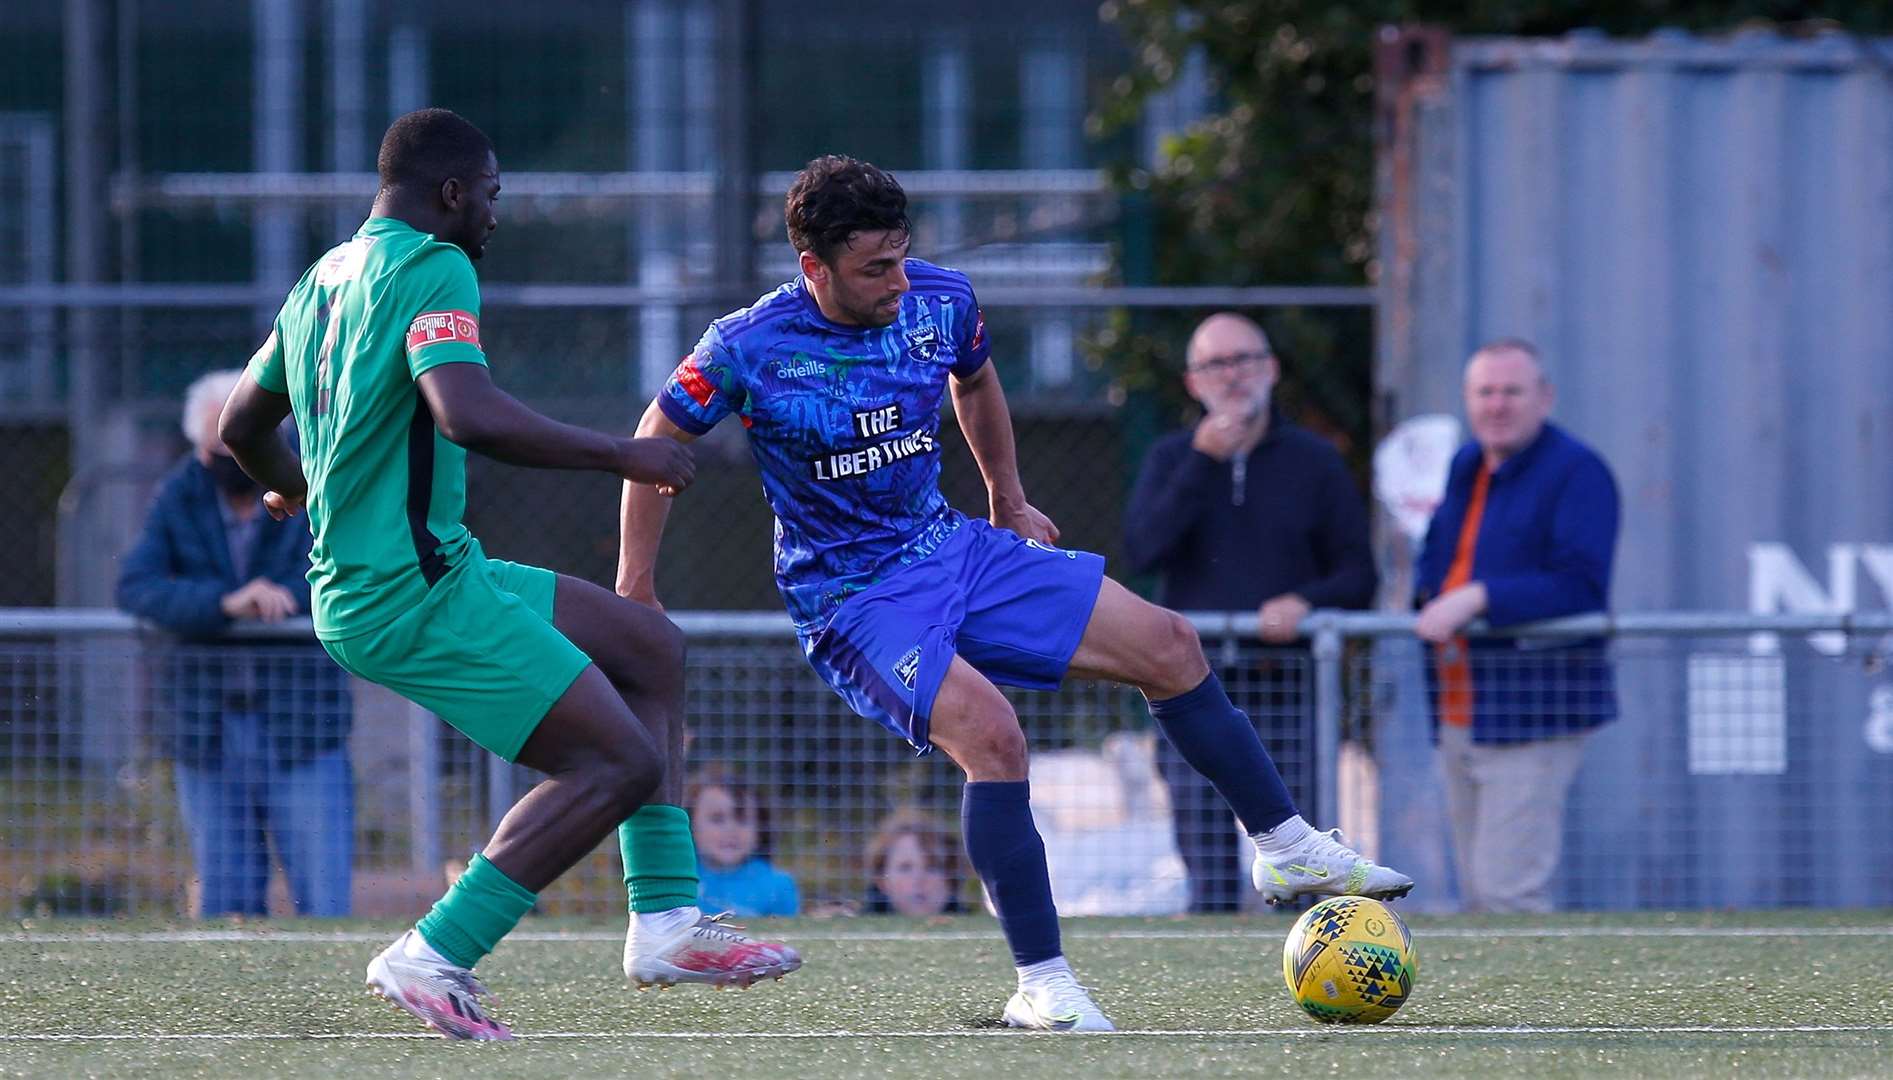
[835, 197]
[440, 175]
[428, 147]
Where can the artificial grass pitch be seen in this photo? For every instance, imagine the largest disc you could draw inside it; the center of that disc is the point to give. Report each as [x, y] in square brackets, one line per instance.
[1797, 993]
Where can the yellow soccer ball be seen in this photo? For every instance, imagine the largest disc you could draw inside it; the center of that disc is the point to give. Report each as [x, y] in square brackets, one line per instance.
[1350, 960]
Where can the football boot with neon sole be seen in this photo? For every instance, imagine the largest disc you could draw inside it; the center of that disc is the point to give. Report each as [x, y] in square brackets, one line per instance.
[1323, 865]
[1056, 1004]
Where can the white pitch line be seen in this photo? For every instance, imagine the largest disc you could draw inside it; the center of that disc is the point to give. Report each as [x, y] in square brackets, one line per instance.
[1363, 1032]
[305, 937]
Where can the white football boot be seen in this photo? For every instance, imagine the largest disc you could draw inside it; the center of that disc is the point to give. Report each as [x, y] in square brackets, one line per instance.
[445, 996]
[1321, 864]
[1055, 1002]
[704, 949]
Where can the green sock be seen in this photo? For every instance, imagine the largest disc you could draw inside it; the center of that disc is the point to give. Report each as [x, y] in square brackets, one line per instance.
[660, 858]
[480, 909]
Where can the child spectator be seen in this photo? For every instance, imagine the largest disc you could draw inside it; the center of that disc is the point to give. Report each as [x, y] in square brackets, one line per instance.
[913, 865]
[732, 832]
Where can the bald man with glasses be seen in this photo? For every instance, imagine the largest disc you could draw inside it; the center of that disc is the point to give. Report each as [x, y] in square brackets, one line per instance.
[1247, 512]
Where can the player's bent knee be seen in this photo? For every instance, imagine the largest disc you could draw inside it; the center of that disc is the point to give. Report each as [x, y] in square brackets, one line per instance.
[1170, 660]
[638, 783]
[1006, 745]
[989, 746]
[630, 778]
[1183, 653]
[657, 654]
[1184, 644]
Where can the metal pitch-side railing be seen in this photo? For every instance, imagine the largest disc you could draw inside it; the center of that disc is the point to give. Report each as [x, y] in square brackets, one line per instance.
[1742, 744]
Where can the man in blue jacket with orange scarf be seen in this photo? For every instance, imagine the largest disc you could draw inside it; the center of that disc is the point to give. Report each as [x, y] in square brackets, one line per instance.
[1527, 531]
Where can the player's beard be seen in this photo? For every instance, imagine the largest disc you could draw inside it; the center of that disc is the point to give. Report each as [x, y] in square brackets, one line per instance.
[877, 316]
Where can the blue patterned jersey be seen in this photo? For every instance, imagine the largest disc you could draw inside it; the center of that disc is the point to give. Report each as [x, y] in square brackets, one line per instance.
[843, 422]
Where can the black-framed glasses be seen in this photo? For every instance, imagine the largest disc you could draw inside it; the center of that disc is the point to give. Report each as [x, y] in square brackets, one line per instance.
[1230, 361]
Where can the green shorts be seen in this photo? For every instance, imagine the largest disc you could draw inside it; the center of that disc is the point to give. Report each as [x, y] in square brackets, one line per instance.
[480, 652]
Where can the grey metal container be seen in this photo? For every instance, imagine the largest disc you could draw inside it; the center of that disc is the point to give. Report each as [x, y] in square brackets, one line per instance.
[1698, 233]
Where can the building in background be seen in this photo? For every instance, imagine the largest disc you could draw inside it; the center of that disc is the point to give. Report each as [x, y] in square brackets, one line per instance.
[210, 149]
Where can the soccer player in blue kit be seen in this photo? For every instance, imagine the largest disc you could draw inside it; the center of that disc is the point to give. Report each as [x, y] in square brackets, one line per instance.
[912, 611]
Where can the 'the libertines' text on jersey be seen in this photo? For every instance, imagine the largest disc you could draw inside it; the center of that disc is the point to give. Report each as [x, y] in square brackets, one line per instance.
[844, 425]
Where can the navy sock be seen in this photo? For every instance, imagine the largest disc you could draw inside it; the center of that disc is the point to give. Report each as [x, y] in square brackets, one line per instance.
[1219, 741]
[1004, 847]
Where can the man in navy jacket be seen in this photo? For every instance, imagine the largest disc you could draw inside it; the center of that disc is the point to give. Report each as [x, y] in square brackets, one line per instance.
[1246, 512]
[1526, 531]
[259, 740]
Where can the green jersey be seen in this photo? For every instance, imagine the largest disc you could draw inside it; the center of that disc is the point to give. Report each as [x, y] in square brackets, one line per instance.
[386, 490]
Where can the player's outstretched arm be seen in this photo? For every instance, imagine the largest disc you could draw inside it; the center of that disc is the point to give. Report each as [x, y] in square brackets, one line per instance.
[471, 412]
[641, 516]
[249, 428]
[980, 404]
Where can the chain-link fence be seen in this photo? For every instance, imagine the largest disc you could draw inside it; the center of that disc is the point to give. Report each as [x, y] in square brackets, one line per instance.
[142, 774]
[1740, 770]
[1670, 761]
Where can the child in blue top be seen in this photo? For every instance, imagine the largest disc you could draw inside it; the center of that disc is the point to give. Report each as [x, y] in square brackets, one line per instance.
[733, 869]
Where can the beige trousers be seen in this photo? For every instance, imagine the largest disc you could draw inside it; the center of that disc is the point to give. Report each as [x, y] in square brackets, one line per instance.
[1506, 805]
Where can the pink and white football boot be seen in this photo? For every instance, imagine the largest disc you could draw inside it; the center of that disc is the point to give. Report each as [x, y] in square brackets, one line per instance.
[410, 975]
[703, 949]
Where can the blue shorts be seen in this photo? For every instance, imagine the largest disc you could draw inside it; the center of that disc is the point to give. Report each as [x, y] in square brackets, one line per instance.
[1014, 609]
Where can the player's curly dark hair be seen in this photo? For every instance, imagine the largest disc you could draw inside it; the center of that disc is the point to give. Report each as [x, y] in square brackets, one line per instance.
[426, 147]
[834, 197]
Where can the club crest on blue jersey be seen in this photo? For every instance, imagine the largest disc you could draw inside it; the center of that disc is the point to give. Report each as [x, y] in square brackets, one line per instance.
[923, 342]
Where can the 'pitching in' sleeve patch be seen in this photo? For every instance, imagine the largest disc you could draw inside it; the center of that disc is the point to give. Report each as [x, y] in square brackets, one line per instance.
[438, 327]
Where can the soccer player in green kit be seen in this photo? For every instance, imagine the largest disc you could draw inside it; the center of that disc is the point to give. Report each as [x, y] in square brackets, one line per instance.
[377, 353]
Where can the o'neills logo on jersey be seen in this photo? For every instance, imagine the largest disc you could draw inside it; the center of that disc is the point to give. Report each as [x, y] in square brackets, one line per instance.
[800, 368]
[434, 327]
[853, 464]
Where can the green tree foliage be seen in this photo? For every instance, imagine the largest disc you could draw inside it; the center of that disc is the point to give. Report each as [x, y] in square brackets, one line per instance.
[1276, 185]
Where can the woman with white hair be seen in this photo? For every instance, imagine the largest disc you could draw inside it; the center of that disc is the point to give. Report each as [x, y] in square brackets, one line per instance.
[260, 728]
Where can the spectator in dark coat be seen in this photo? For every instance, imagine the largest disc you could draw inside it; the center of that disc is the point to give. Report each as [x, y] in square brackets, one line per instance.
[1247, 512]
[258, 730]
